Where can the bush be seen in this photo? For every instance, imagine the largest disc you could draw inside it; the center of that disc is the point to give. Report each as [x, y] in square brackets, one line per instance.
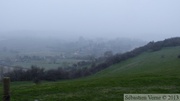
[179, 56]
[37, 81]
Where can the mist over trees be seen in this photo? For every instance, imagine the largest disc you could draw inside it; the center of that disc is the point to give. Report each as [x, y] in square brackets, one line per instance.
[78, 46]
[15, 51]
[19, 53]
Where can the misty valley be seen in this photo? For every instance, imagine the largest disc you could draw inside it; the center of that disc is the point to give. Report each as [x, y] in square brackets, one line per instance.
[22, 52]
[89, 50]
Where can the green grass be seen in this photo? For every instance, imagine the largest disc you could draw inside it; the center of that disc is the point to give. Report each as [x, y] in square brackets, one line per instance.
[146, 73]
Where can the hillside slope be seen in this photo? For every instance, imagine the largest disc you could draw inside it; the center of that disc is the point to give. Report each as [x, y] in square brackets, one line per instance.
[163, 63]
[150, 72]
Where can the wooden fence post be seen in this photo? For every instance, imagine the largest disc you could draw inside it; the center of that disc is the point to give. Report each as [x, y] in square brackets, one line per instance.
[6, 89]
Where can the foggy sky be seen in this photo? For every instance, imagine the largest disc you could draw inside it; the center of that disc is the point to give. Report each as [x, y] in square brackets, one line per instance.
[142, 19]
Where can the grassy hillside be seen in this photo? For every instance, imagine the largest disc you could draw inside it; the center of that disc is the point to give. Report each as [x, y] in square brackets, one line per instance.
[150, 72]
[163, 62]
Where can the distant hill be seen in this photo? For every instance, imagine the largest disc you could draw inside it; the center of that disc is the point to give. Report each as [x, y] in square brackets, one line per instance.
[26, 42]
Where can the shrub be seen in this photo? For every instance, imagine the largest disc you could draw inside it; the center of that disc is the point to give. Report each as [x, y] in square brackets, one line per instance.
[36, 81]
[179, 56]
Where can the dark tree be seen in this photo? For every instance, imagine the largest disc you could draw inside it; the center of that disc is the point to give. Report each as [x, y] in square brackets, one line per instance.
[179, 56]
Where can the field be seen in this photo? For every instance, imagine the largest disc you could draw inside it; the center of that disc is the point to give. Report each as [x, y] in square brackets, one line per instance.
[150, 72]
[48, 60]
[48, 65]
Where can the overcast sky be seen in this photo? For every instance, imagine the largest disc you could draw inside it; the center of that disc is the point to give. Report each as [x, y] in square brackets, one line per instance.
[142, 19]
